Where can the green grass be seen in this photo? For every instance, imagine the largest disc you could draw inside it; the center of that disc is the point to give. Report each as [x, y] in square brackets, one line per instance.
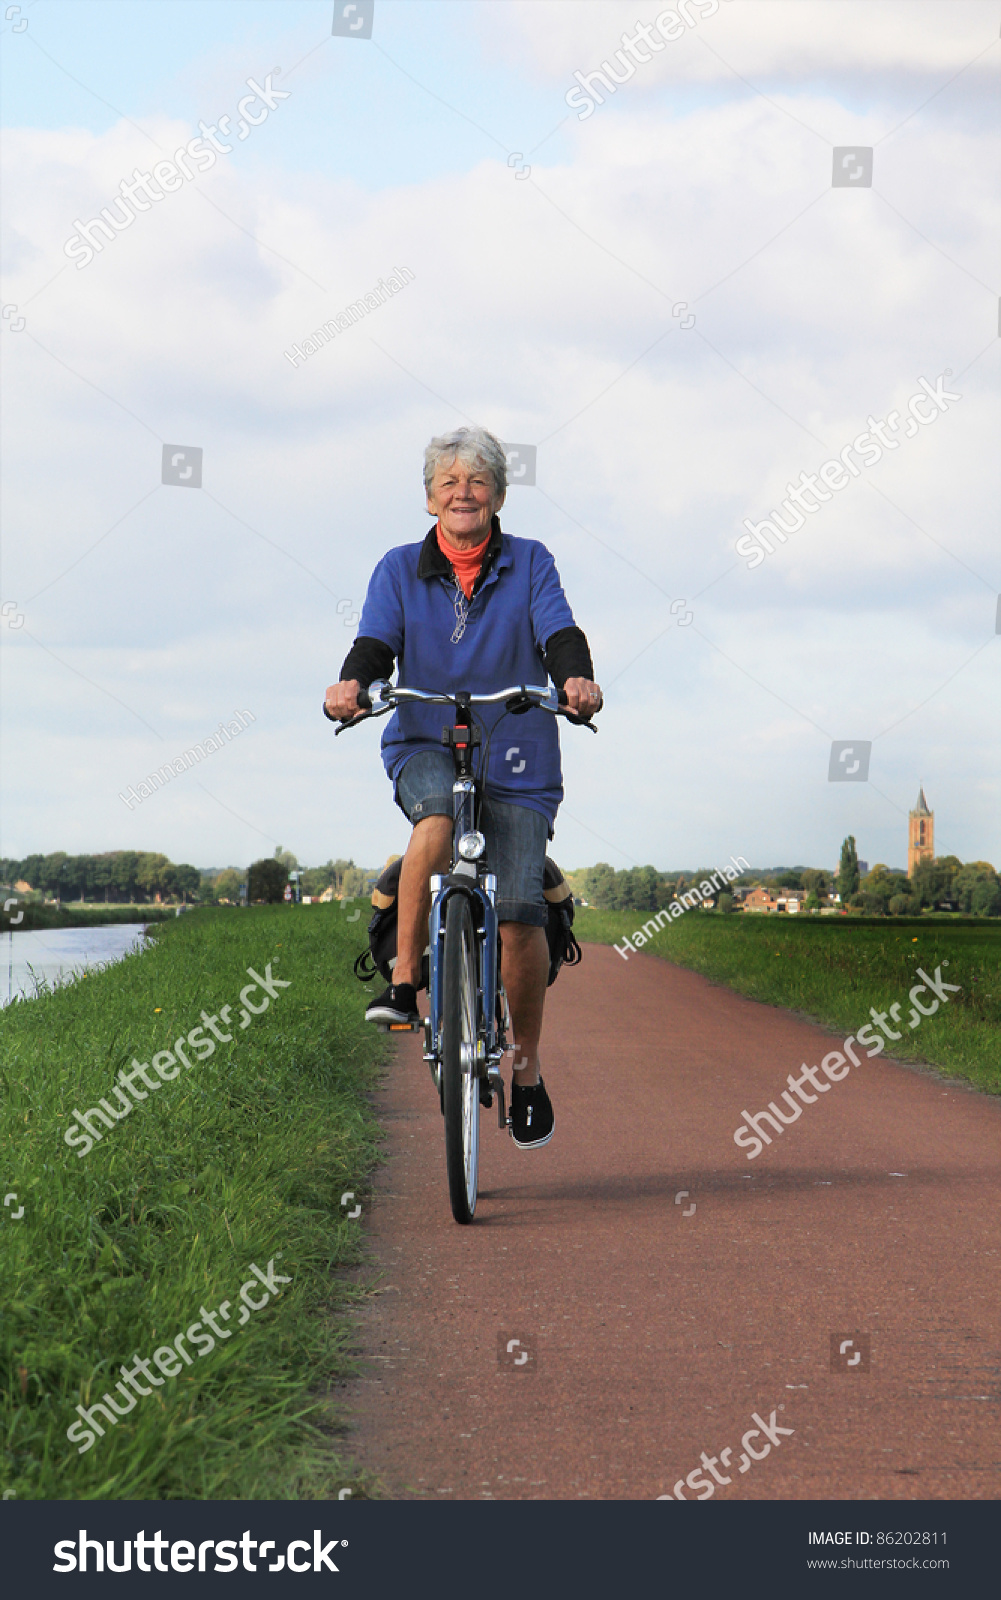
[38, 916]
[243, 1159]
[835, 968]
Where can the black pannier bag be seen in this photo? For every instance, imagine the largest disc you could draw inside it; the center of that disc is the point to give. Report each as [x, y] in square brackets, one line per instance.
[563, 947]
[380, 956]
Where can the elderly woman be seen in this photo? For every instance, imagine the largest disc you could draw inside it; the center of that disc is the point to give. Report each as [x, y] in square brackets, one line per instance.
[472, 608]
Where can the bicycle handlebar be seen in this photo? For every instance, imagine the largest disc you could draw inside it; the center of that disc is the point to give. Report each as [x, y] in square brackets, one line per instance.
[388, 695]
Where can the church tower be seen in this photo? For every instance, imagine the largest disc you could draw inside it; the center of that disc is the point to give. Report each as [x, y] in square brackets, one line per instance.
[920, 834]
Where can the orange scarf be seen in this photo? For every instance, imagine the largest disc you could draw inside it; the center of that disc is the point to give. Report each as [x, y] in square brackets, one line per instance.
[466, 563]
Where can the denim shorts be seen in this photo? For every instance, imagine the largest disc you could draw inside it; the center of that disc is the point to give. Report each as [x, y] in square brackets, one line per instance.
[516, 835]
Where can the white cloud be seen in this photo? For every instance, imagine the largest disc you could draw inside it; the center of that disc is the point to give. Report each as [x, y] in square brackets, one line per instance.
[785, 39]
[518, 320]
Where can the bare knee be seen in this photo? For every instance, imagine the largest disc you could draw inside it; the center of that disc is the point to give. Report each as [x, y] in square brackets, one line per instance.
[525, 945]
[521, 935]
[433, 828]
[432, 836]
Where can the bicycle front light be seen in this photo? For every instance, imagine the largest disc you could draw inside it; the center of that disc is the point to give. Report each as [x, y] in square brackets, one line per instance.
[472, 846]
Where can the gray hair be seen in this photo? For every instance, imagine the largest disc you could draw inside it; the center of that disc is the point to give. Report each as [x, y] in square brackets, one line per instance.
[474, 447]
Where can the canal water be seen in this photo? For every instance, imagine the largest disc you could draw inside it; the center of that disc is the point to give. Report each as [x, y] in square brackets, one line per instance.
[53, 955]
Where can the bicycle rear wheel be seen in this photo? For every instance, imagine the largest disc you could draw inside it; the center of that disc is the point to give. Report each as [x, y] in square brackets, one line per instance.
[460, 1085]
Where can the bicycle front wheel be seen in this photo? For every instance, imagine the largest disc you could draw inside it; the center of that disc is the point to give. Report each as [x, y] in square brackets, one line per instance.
[460, 1084]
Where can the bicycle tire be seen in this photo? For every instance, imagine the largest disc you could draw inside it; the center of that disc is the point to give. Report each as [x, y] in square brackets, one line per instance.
[460, 1089]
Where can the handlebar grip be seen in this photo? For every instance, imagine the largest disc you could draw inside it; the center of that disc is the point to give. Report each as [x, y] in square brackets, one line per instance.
[364, 704]
[575, 716]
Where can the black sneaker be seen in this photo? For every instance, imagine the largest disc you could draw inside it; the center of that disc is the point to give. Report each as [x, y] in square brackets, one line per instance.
[395, 1007]
[532, 1120]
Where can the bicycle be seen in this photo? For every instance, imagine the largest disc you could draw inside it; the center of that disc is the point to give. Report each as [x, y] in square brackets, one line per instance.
[468, 1022]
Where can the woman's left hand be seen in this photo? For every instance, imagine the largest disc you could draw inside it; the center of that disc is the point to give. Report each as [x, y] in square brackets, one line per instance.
[583, 697]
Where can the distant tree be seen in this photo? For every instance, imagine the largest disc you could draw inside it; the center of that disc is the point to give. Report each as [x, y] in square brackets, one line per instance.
[342, 876]
[879, 886]
[950, 865]
[267, 880]
[102, 876]
[186, 881]
[812, 901]
[597, 885]
[931, 880]
[150, 873]
[725, 903]
[51, 868]
[74, 875]
[848, 872]
[902, 905]
[636, 889]
[816, 881]
[125, 874]
[227, 884]
[665, 891]
[30, 869]
[790, 880]
[289, 861]
[352, 883]
[977, 879]
[985, 901]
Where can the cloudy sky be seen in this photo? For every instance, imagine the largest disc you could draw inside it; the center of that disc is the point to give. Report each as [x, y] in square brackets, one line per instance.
[560, 254]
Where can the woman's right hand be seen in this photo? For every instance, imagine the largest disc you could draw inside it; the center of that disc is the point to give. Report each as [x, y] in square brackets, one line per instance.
[341, 701]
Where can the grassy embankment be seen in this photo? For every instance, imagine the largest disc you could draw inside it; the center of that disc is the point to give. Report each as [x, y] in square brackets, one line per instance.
[243, 1159]
[835, 968]
[76, 916]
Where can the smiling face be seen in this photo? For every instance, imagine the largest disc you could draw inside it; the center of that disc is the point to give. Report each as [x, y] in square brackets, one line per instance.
[464, 500]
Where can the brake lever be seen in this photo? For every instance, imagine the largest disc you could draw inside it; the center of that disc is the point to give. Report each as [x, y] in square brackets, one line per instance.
[343, 723]
[578, 722]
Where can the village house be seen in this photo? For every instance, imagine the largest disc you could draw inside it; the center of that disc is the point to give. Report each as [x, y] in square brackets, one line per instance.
[789, 901]
[759, 900]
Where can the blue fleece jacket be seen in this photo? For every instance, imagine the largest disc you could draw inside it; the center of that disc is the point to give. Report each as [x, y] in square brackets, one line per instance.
[515, 608]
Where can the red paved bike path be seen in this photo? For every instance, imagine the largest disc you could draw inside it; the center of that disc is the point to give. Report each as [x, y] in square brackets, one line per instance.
[655, 1336]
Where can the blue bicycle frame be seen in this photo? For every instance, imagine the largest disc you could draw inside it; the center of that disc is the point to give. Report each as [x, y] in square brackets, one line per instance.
[468, 874]
[467, 877]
